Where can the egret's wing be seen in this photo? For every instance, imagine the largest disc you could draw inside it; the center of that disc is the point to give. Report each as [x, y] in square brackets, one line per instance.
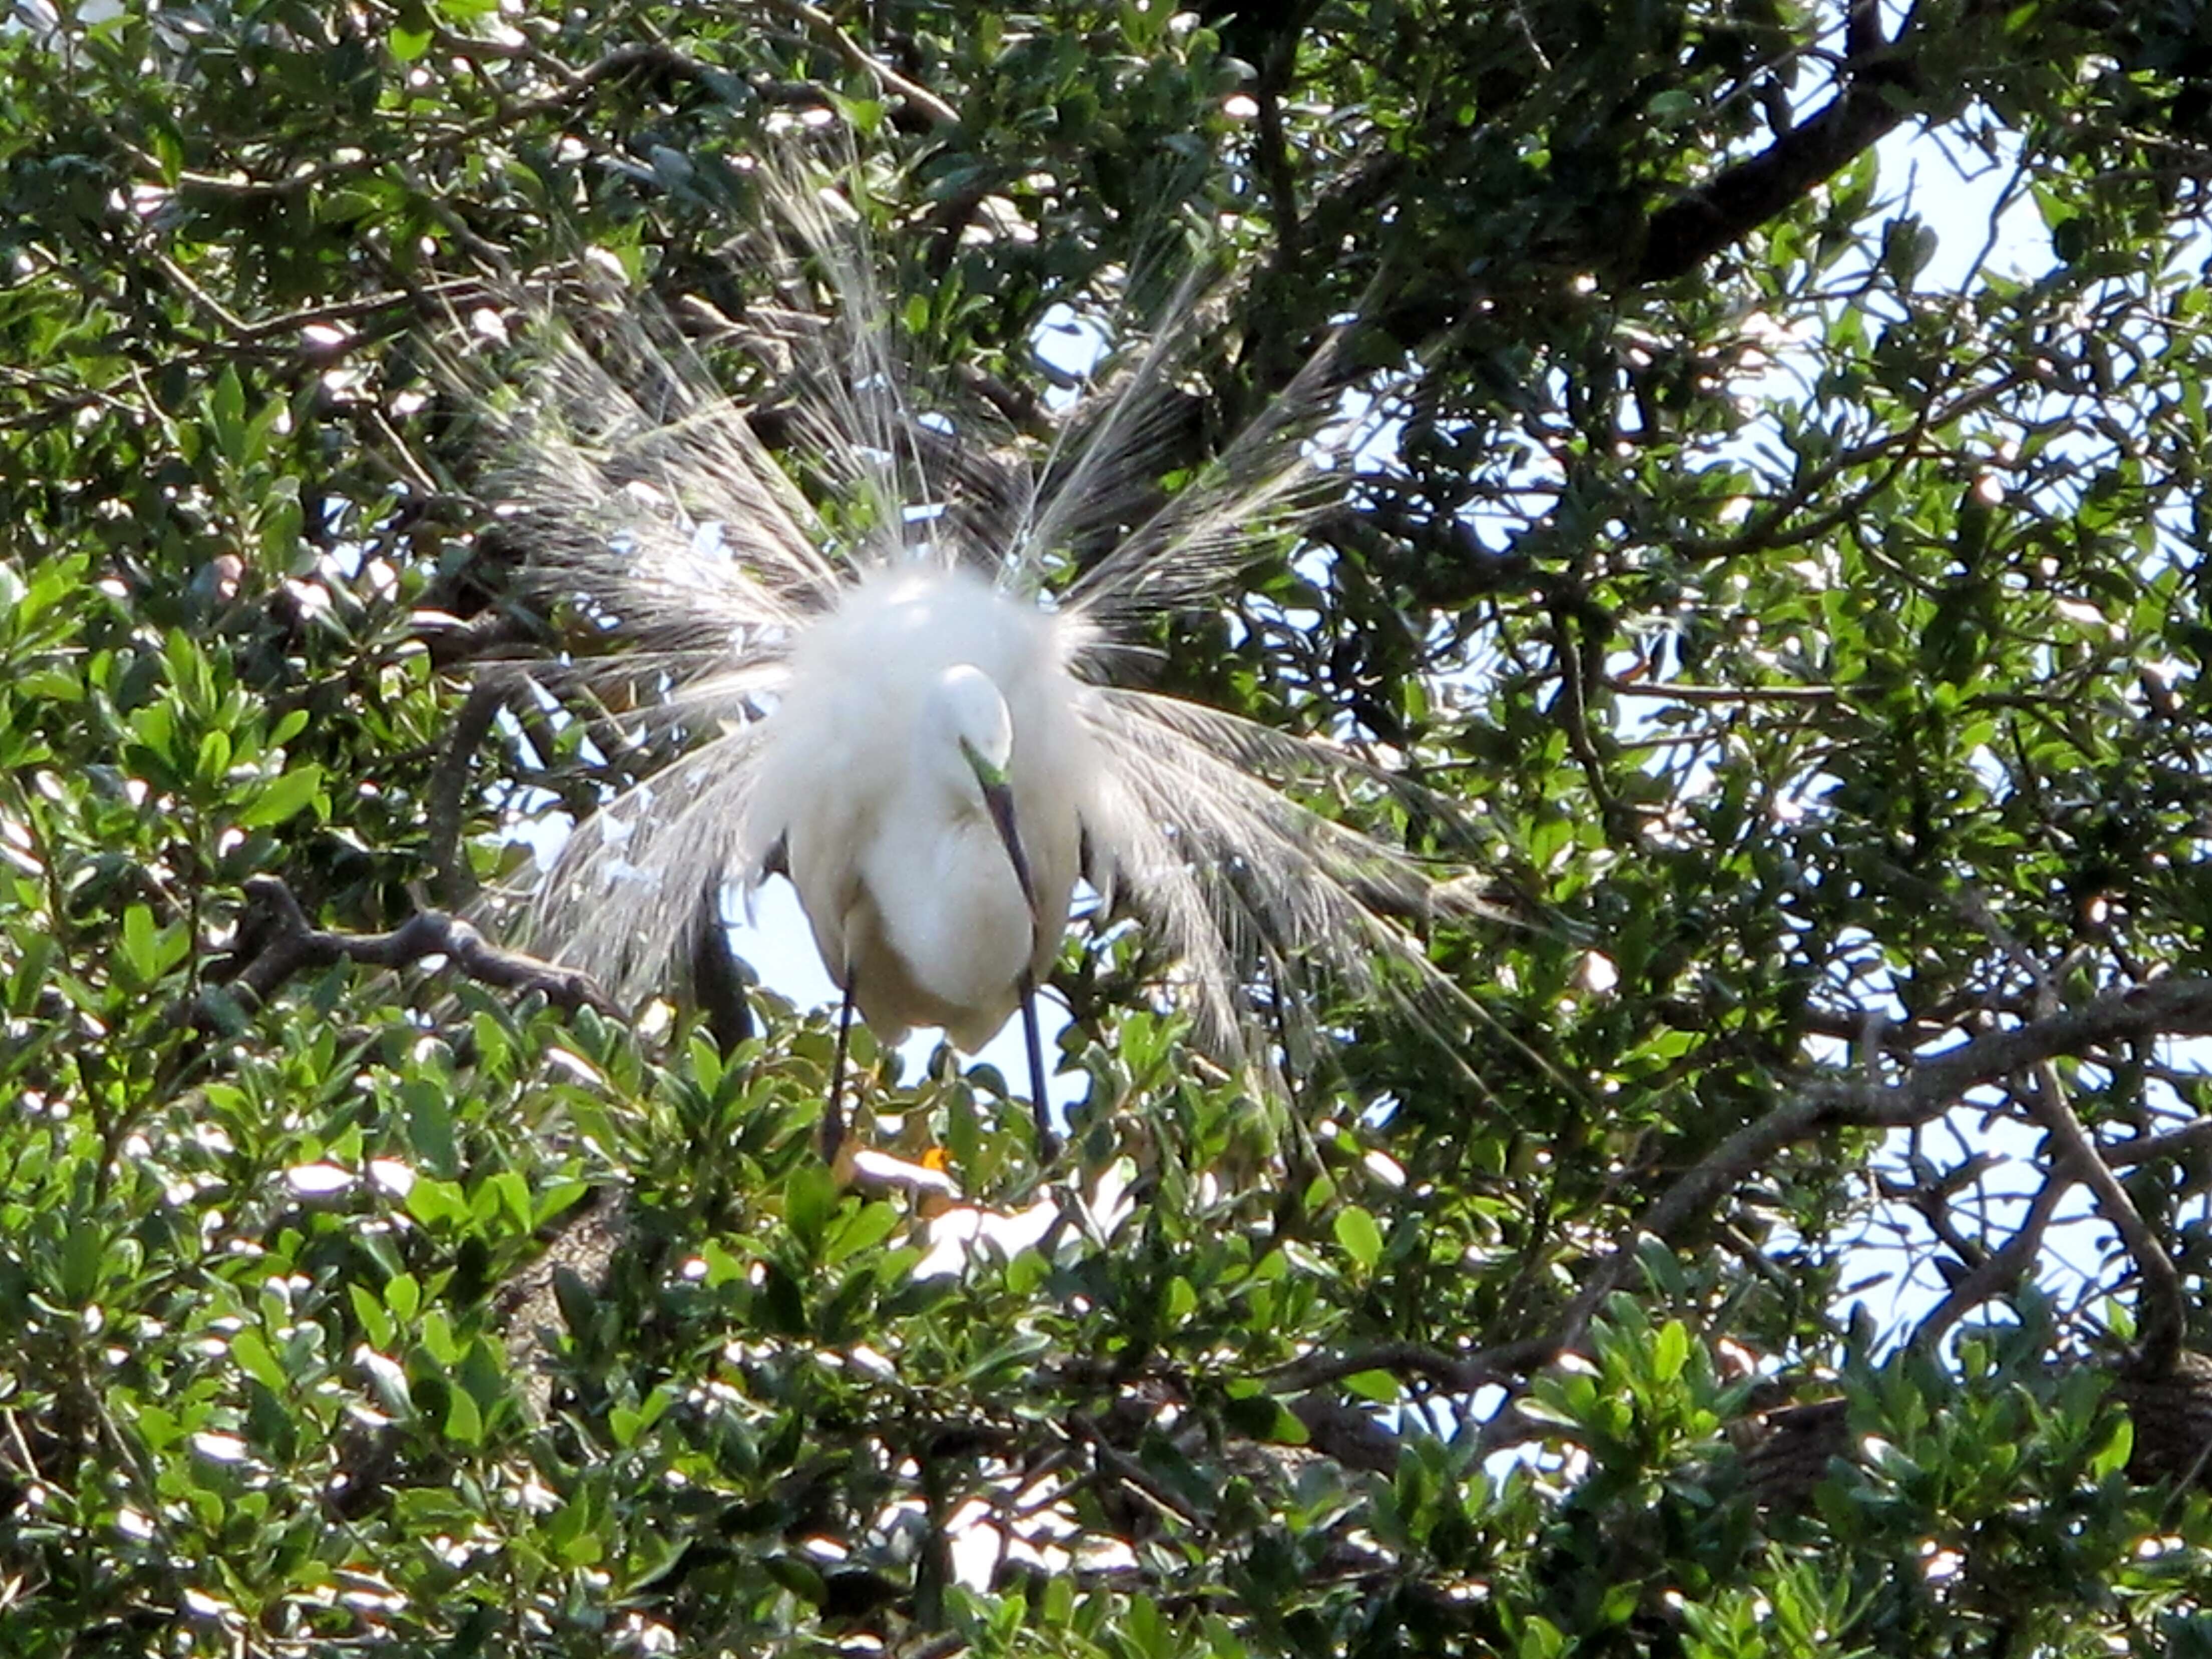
[1188, 547]
[640, 500]
[935, 468]
[636, 881]
[650, 501]
[1101, 475]
[846, 393]
[919, 463]
[1237, 878]
[644, 492]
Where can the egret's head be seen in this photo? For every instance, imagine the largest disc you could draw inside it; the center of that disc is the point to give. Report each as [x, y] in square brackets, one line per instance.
[966, 704]
[967, 707]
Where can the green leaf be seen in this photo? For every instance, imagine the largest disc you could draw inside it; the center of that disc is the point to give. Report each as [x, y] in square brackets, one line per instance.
[1013, 1356]
[438, 1338]
[82, 1250]
[431, 1138]
[257, 1360]
[1380, 1387]
[801, 1577]
[860, 1229]
[810, 1199]
[1358, 1236]
[435, 1203]
[141, 950]
[2119, 1444]
[376, 1324]
[464, 1422]
[282, 797]
[227, 415]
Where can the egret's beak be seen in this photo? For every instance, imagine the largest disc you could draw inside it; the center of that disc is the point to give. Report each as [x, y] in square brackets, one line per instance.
[998, 799]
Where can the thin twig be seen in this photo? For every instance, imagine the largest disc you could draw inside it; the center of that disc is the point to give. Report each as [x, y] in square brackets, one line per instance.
[2000, 1270]
[1680, 691]
[1130, 1472]
[917, 96]
[2165, 1312]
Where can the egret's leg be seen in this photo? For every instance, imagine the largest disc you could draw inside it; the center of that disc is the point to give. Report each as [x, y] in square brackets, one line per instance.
[833, 1118]
[1047, 1144]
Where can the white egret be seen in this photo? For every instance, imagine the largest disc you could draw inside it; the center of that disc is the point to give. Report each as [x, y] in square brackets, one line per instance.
[906, 682]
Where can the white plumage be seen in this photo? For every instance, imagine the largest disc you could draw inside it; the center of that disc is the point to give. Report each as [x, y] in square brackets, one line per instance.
[858, 662]
[887, 834]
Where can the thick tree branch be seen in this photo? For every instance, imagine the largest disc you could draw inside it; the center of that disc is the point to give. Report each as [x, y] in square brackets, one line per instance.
[287, 943]
[2174, 1143]
[1339, 1429]
[1692, 228]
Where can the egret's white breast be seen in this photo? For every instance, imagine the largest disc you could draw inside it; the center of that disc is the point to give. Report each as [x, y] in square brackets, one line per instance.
[922, 901]
[952, 933]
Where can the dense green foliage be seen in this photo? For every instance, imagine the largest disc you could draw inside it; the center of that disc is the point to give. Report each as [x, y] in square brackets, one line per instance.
[1818, 651]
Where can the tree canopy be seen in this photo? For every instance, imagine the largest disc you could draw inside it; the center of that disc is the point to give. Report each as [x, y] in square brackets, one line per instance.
[1801, 601]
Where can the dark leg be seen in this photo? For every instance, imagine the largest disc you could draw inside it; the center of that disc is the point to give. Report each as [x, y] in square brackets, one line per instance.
[1047, 1144]
[833, 1117]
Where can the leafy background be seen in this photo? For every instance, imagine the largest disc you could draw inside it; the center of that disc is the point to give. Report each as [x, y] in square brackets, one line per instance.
[1805, 1252]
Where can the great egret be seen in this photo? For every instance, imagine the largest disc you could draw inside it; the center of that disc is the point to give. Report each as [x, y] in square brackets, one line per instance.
[908, 686]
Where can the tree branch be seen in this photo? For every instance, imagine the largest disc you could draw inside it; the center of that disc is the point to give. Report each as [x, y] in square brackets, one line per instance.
[2175, 1143]
[917, 96]
[2169, 1007]
[2003, 1268]
[2166, 1311]
[288, 943]
[1457, 1373]
[1692, 228]
[449, 780]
